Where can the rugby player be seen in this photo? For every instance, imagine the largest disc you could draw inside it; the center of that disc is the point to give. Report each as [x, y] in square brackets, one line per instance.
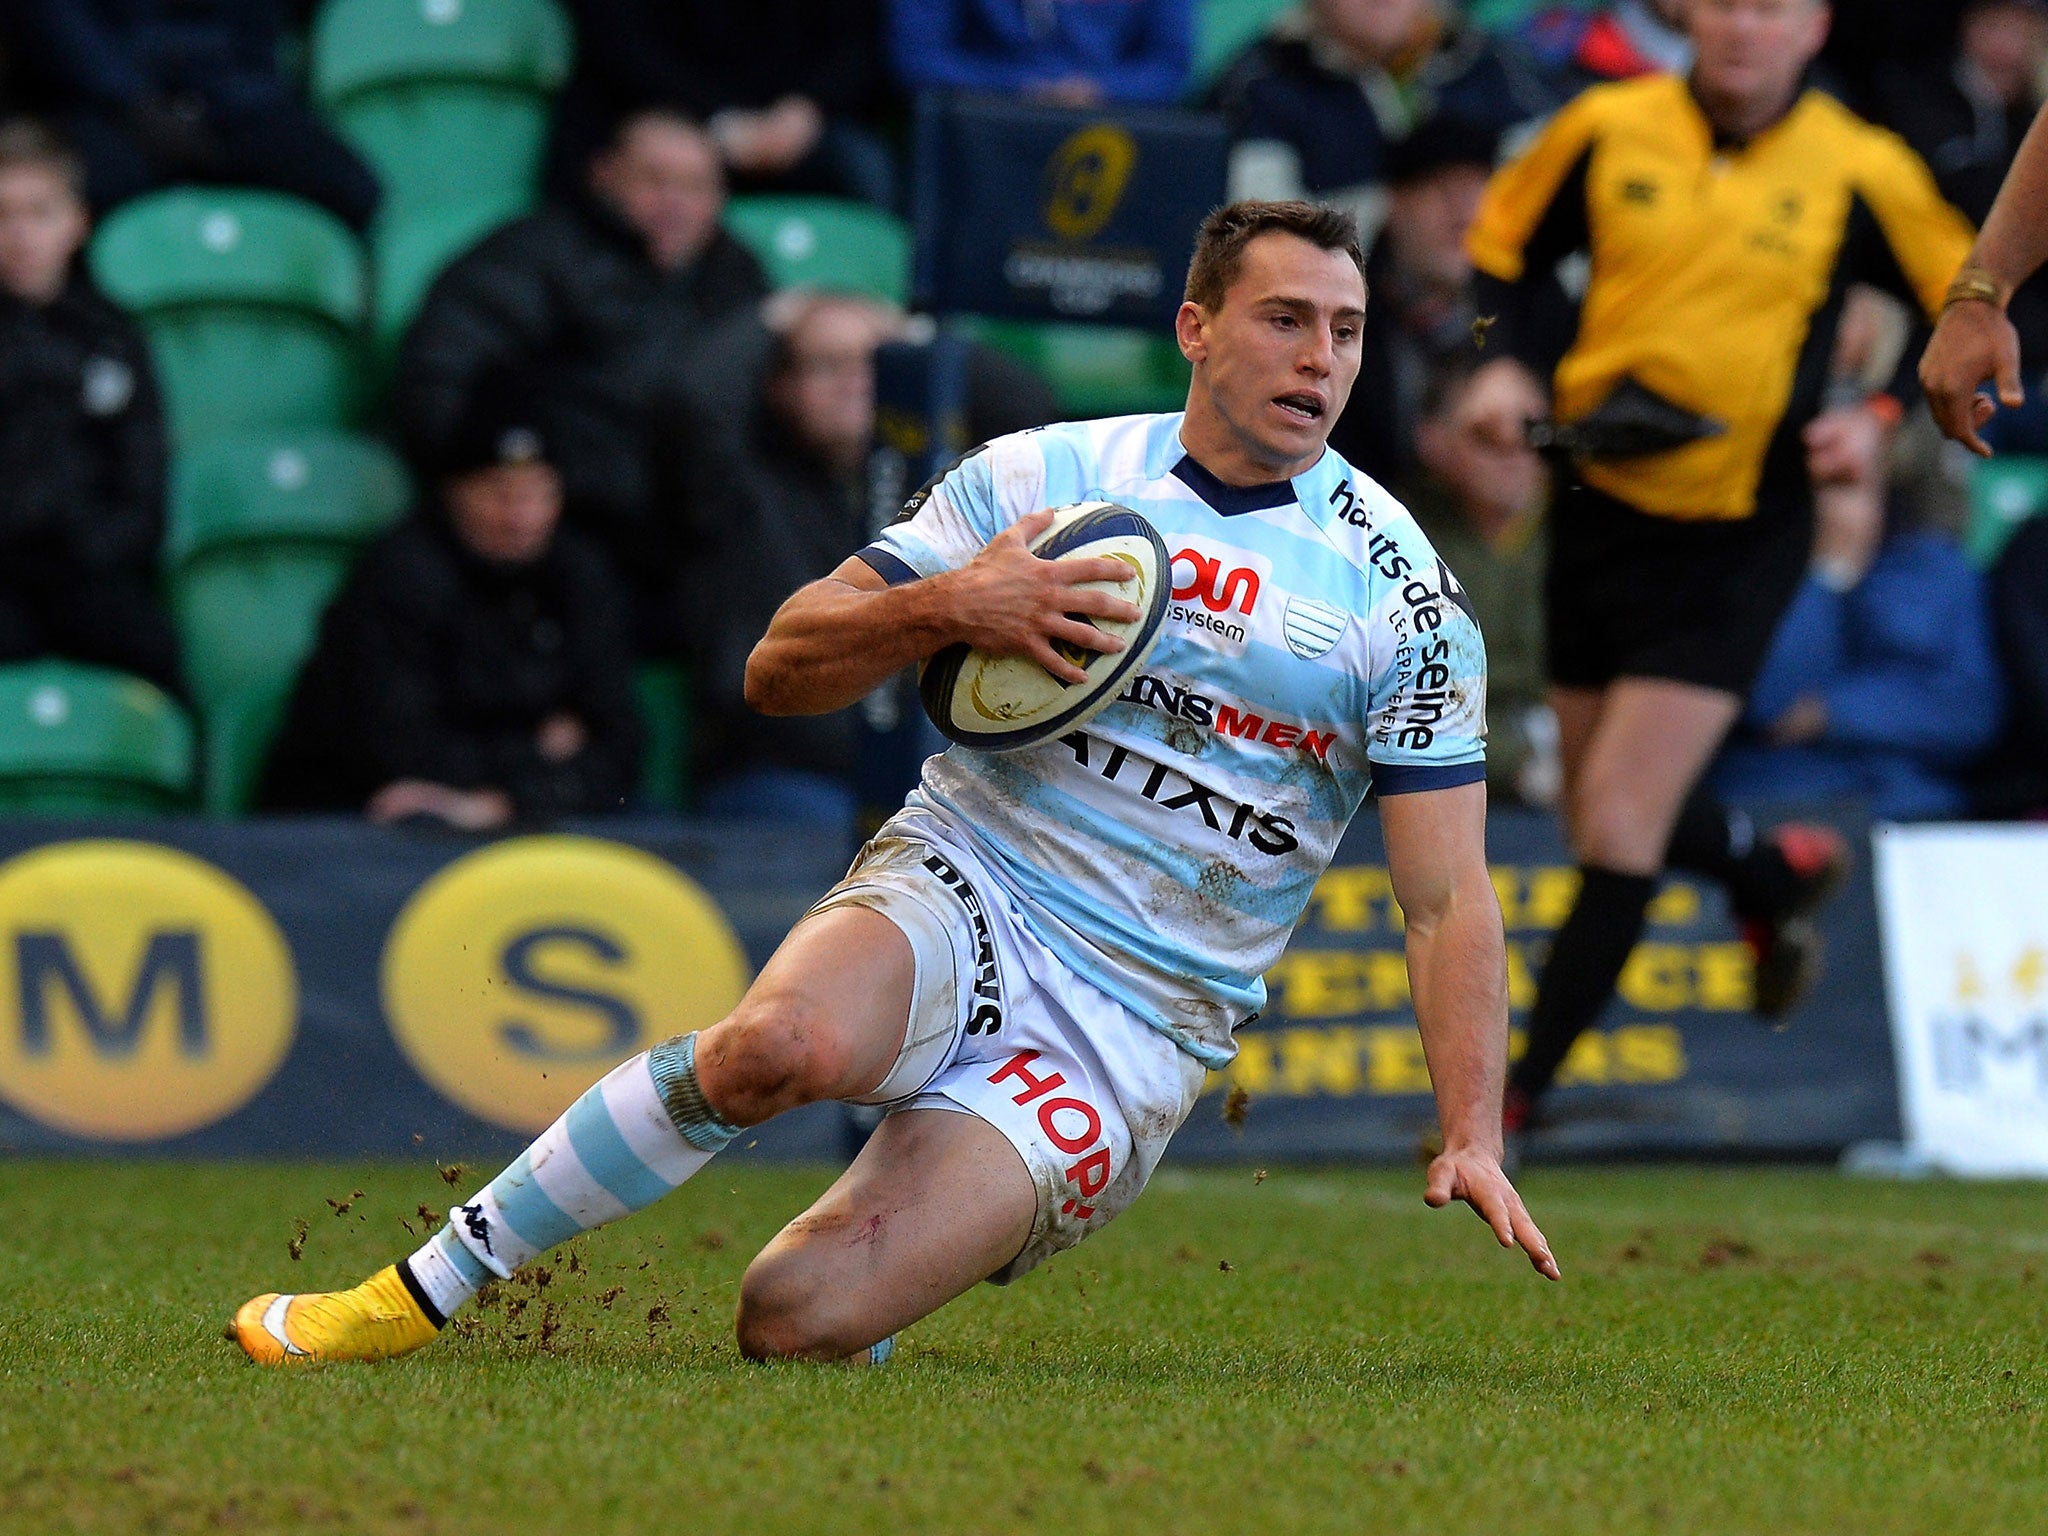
[1035, 964]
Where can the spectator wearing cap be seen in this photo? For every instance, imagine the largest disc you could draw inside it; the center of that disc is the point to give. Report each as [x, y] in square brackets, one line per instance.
[1316, 105]
[160, 91]
[1420, 279]
[1075, 53]
[605, 297]
[81, 436]
[476, 668]
[1481, 503]
[788, 118]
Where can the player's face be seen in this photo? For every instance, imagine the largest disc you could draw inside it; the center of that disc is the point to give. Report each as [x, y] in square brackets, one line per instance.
[507, 512]
[1275, 362]
[42, 226]
[1755, 51]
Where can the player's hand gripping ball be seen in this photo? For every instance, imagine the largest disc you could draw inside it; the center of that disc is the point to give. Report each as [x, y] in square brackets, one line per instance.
[1005, 703]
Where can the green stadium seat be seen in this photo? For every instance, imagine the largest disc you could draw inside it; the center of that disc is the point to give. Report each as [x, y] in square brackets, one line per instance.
[1224, 29]
[252, 302]
[83, 740]
[2004, 492]
[263, 529]
[449, 102]
[825, 242]
[663, 691]
[1094, 370]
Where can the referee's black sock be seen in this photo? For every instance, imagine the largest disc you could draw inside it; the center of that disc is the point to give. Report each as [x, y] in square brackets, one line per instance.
[1721, 843]
[1585, 963]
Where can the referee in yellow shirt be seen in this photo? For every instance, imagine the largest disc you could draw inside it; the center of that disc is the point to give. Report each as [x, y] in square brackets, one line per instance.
[1715, 224]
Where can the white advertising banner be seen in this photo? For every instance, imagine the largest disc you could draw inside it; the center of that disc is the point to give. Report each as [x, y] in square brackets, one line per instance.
[1964, 916]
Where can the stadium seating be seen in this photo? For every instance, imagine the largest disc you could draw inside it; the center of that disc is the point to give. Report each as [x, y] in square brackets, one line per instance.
[263, 527]
[825, 242]
[252, 302]
[2004, 492]
[664, 693]
[448, 100]
[1095, 370]
[81, 740]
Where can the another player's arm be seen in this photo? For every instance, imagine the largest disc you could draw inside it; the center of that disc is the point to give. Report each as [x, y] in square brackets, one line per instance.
[1974, 341]
[1457, 970]
[838, 639]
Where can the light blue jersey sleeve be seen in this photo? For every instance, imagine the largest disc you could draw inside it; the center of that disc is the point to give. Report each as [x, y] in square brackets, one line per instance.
[947, 524]
[1427, 696]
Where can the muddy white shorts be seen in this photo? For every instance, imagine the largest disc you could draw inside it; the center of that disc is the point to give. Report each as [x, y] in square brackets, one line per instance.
[1084, 1089]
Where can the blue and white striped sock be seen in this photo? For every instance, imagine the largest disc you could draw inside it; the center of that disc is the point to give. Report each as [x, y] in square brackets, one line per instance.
[642, 1130]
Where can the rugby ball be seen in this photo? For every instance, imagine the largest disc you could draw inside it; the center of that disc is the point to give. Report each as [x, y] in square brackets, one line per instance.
[1006, 703]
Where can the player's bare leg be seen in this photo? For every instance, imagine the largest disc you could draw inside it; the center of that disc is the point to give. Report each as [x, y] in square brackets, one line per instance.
[1652, 741]
[825, 1019]
[1632, 753]
[935, 1203]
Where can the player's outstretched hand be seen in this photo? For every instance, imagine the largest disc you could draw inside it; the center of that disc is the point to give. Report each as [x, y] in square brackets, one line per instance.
[1475, 1177]
[1011, 603]
[1973, 342]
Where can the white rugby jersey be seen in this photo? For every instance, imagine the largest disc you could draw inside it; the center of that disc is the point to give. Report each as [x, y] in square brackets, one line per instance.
[1315, 644]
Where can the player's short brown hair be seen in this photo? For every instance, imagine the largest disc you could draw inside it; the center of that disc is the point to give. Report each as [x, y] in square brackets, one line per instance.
[27, 142]
[1221, 241]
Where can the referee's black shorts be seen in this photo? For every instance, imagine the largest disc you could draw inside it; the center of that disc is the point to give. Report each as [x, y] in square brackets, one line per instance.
[1631, 595]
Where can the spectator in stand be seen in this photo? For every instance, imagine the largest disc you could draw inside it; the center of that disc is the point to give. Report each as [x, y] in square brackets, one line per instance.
[1074, 53]
[1420, 279]
[1575, 47]
[2015, 781]
[1967, 114]
[1316, 104]
[604, 296]
[787, 117]
[1882, 682]
[785, 487]
[476, 668]
[785, 418]
[81, 436]
[1480, 502]
[157, 91]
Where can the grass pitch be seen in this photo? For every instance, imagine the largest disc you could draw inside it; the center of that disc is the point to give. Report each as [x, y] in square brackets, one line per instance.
[1731, 1351]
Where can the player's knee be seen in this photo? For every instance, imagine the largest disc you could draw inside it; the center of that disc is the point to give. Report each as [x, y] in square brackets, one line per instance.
[786, 1312]
[771, 1055]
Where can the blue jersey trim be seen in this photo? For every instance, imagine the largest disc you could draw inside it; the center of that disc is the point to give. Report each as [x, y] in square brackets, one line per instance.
[891, 567]
[1408, 778]
[1232, 500]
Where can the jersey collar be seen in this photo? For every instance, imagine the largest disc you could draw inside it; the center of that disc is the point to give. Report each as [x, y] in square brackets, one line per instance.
[1231, 500]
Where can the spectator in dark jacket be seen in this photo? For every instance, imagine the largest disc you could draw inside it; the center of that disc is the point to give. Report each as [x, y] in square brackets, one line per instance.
[1420, 281]
[1966, 113]
[788, 116]
[604, 299]
[1315, 104]
[784, 484]
[476, 667]
[81, 437]
[1074, 53]
[155, 91]
[1883, 682]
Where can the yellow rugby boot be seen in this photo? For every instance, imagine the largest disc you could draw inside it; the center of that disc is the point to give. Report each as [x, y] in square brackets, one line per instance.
[378, 1319]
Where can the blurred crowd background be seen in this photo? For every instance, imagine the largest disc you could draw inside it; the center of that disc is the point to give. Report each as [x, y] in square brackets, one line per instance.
[417, 408]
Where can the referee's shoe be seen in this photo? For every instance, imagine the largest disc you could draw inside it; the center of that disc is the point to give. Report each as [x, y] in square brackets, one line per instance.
[1786, 942]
